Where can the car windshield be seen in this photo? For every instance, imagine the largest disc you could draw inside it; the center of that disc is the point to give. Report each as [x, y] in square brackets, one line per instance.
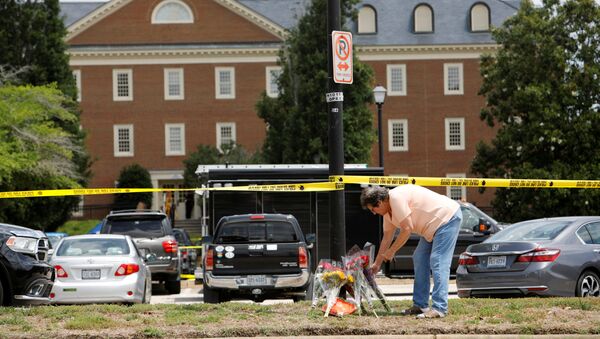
[137, 228]
[531, 230]
[92, 247]
[54, 239]
[270, 231]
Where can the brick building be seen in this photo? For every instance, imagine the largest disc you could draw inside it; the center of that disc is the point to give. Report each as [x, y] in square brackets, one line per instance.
[158, 77]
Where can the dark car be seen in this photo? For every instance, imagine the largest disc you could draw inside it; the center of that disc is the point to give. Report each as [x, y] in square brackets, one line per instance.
[26, 278]
[546, 257]
[476, 226]
[153, 235]
[256, 256]
[188, 256]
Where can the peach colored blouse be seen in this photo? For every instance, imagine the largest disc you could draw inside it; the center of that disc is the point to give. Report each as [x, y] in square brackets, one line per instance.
[426, 209]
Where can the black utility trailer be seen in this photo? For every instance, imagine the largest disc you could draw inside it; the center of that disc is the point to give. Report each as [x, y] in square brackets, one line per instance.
[311, 209]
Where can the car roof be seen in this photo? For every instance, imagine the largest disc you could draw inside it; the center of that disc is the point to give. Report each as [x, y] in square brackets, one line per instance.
[267, 216]
[135, 212]
[99, 236]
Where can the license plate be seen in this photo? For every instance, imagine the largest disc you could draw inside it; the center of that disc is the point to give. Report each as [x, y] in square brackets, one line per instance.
[257, 280]
[496, 261]
[90, 274]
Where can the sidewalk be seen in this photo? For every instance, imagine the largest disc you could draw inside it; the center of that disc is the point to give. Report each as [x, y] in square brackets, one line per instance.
[402, 288]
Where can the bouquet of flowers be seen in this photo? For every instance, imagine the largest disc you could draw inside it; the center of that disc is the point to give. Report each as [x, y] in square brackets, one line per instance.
[357, 265]
[328, 281]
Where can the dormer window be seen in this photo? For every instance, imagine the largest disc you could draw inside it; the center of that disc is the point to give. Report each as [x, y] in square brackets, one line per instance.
[480, 18]
[423, 19]
[367, 20]
[172, 12]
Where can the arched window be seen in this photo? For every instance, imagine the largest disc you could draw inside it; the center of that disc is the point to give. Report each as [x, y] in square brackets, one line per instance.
[172, 12]
[367, 20]
[423, 19]
[480, 18]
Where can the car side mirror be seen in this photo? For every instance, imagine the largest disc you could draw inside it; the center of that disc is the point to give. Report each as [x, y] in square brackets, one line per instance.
[483, 227]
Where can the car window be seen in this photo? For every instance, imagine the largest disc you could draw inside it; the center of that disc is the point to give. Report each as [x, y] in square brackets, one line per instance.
[179, 237]
[594, 229]
[270, 231]
[93, 247]
[583, 233]
[137, 228]
[531, 230]
[470, 220]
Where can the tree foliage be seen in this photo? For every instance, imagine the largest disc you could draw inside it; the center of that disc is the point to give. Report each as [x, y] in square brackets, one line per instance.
[133, 176]
[36, 153]
[210, 155]
[297, 119]
[543, 93]
[32, 37]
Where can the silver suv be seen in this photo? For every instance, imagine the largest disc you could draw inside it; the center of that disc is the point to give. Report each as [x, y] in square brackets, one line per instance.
[152, 233]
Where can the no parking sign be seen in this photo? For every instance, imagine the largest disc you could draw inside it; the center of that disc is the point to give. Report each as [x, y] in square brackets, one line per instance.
[342, 57]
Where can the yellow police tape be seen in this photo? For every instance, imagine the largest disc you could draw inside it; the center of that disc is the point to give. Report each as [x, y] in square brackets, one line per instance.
[188, 276]
[304, 187]
[335, 183]
[468, 182]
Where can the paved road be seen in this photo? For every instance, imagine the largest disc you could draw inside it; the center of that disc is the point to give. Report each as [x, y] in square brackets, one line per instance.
[192, 294]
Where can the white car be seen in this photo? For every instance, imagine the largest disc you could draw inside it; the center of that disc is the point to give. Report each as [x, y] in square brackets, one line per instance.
[102, 268]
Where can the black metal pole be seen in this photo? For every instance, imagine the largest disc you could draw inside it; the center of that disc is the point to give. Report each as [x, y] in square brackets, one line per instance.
[380, 135]
[336, 140]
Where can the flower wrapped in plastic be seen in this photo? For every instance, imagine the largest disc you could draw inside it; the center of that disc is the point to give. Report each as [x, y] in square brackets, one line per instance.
[328, 281]
[357, 264]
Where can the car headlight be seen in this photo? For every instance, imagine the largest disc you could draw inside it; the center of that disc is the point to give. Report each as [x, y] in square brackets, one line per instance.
[21, 244]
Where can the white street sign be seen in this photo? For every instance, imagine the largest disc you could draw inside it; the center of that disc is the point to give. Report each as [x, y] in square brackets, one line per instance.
[341, 43]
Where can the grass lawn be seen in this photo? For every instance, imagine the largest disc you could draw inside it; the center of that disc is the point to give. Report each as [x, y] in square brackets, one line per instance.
[76, 227]
[467, 316]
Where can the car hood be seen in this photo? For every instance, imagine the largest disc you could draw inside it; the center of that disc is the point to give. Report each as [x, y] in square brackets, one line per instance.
[21, 231]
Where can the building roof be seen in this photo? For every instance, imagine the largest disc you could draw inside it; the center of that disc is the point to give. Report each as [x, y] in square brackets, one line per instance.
[394, 19]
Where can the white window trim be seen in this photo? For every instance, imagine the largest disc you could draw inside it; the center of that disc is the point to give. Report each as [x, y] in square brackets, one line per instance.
[166, 2]
[391, 146]
[389, 69]
[367, 20]
[117, 153]
[181, 82]
[77, 76]
[461, 85]
[269, 78]
[218, 95]
[129, 73]
[233, 132]
[460, 147]
[463, 193]
[168, 150]
[480, 18]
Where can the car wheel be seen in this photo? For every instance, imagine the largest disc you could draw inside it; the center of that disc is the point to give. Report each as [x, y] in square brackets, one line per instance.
[1, 294]
[211, 296]
[588, 285]
[173, 286]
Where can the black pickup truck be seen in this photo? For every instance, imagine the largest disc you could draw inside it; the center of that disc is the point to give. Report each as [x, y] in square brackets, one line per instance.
[256, 256]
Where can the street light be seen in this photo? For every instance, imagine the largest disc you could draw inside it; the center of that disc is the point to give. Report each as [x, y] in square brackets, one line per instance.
[379, 94]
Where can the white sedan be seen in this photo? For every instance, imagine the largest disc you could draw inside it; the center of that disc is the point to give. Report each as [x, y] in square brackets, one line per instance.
[105, 268]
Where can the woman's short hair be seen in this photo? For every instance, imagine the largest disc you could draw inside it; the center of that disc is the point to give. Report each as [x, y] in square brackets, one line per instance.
[372, 195]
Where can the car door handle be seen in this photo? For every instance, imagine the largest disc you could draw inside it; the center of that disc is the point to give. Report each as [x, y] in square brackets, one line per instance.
[597, 250]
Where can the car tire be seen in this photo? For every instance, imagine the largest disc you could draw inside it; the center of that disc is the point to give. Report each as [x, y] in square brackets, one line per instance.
[588, 285]
[173, 286]
[211, 296]
[309, 289]
[1, 293]
[147, 292]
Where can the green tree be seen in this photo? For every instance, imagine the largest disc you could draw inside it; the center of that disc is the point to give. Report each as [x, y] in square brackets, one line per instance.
[543, 94]
[32, 37]
[297, 119]
[133, 176]
[36, 153]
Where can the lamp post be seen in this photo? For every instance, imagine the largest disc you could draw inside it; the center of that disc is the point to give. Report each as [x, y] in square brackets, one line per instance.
[379, 94]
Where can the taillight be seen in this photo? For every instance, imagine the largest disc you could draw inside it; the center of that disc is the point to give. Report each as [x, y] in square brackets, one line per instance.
[170, 246]
[127, 269]
[257, 216]
[539, 255]
[60, 272]
[208, 261]
[466, 259]
[302, 257]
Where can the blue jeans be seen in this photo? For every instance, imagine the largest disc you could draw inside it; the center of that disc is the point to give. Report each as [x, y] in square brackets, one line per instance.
[434, 258]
